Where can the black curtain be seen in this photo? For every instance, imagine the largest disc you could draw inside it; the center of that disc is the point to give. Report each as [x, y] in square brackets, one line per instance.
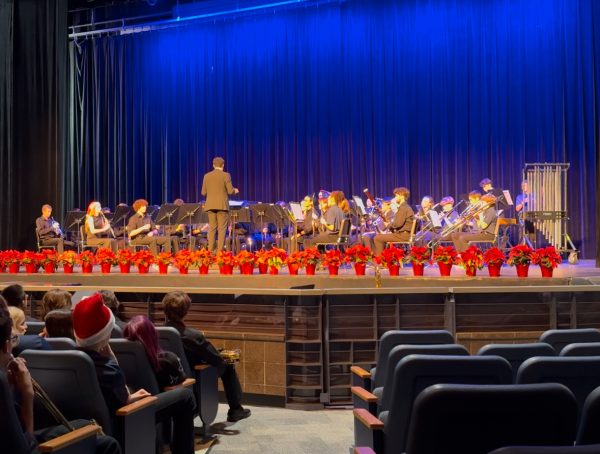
[33, 113]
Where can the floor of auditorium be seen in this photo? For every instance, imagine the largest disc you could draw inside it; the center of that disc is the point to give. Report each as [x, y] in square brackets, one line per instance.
[278, 430]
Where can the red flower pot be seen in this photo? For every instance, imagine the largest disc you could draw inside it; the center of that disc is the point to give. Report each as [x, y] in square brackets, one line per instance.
[293, 269]
[360, 268]
[471, 271]
[14, 267]
[394, 270]
[494, 269]
[86, 268]
[226, 269]
[273, 270]
[31, 268]
[105, 267]
[163, 268]
[445, 268]
[311, 268]
[67, 268]
[546, 271]
[2, 268]
[418, 269]
[125, 268]
[522, 270]
[143, 269]
[247, 268]
[49, 268]
[333, 270]
[262, 268]
[183, 270]
[203, 269]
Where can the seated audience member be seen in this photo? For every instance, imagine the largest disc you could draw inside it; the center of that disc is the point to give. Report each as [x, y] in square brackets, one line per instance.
[15, 296]
[93, 323]
[24, 341]
[111, 301]
[19, 325]
[59, 323]
[55, 299]
[198, 350]
[20, 381]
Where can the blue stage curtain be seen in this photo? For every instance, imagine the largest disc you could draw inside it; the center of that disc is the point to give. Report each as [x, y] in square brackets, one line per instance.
[432, 95]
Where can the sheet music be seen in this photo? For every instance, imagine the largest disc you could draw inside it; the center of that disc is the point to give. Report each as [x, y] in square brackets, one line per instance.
[435, 218]
[507, 197]
[296, 209]
[360, 205]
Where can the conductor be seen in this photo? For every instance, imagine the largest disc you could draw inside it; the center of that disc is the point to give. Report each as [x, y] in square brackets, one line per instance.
[217, 187]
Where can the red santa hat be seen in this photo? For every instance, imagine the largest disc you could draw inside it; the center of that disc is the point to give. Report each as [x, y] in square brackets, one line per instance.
[92, 321]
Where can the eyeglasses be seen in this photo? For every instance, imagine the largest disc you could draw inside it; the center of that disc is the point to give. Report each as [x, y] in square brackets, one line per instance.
[14, 340]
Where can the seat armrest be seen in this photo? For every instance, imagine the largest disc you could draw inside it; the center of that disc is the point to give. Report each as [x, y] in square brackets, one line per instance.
[72, 438]
[187, 383]
[361, 398]
[135, 426]
[361, 377]
[136, 406]
[367, 419]
[368, 430]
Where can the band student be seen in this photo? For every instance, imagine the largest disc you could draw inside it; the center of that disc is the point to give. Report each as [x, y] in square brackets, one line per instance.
[485, 218]
[521, 206]
[402, 224]
[217, 187]
[331, 220]
[98, 230]
[49, 232]
[142, 230]
[309, 220]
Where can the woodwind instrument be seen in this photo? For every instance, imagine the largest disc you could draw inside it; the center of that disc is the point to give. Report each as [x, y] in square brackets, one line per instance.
[379, 221]
[112, 232]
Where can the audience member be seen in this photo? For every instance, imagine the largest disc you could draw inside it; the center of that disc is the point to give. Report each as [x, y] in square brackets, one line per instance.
[111, 301]
[19, 325]
[55, 299]
[59, 323]
[15, 296]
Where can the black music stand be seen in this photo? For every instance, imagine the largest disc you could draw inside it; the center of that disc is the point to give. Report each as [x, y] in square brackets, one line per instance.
[122, 215]
[260, 213]
[166, 213]
[73, 221]
[152, 211]
[237, 214]
[280, 216]
[189, 213]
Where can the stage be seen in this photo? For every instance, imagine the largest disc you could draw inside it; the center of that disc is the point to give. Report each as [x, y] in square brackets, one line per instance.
[299, 335]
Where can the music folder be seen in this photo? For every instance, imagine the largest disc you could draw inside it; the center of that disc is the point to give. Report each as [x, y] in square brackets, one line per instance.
[296, 209]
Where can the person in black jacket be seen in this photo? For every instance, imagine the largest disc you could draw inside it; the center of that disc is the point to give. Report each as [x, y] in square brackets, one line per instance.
[199, 350]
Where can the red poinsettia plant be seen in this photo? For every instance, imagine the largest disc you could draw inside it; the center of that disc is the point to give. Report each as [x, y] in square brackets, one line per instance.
[86, 257]
[225, 258]
[165, 258]
[106, 256]
[184, 258]
[391, 256]
[546, 257]
[472, 257]
[31, 257]
[11, 256]
[333, 257]
[276, 257]
[67, 258]
[245, 258]
[494, 256]
[310, 256]
[295, 258]
[445, 254]
[49, 257]
[203, 257]
[124, 257]
[143, 257]
[520, 255]
[262, 257]
[358, 254]
[418, 255]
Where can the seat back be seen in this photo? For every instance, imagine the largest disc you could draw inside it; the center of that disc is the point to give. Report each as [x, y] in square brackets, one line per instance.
[581, 349]
[69, 378]
[516, 354]
[590, 449]
[345, 228]
[401, 351]
[580, 374]
[13, 440]
[414, 373]
[560, 338]
[134, 362]
[475, 419]
[170, 340]
[392, 338]
[587, 432]
[61, 343]
[40, 246]
[35, 328]
[116, 333]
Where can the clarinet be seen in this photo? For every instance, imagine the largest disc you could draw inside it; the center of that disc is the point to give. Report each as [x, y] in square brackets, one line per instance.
[111, 230]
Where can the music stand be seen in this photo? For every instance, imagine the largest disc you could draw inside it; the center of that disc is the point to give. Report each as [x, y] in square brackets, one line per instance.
[73, 221]
[166, 213]
[237, 214]
[260, 211]
[122, 215]
[189, 213]
[152, 211]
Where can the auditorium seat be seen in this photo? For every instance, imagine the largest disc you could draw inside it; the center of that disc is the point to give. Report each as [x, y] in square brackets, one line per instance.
[559, 338]
[206, 388]
[387, 433]
[61, 343]
[380, 398]
[589, 449]
[375, 377]
[516, 354]
[35, 328]
[69, 379]
[588, 430]
[475, 419]
[116, 333]
[581, 349]
[580, 374]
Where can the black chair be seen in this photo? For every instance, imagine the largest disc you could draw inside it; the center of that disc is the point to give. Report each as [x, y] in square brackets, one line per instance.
[343, 237]
[580, 374]
[61, 343]
[376, 376]
[587, 432]
[116, 333]
[69, 379]
[388, 432]
[35, 328]
[474, 419]
[381, 397]
[589, 449]
[40, 246]
[206, 388]
[560, 338]
[581, 349]
[516, 354]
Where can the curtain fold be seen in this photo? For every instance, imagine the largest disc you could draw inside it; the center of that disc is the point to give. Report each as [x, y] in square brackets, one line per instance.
[433, 95]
